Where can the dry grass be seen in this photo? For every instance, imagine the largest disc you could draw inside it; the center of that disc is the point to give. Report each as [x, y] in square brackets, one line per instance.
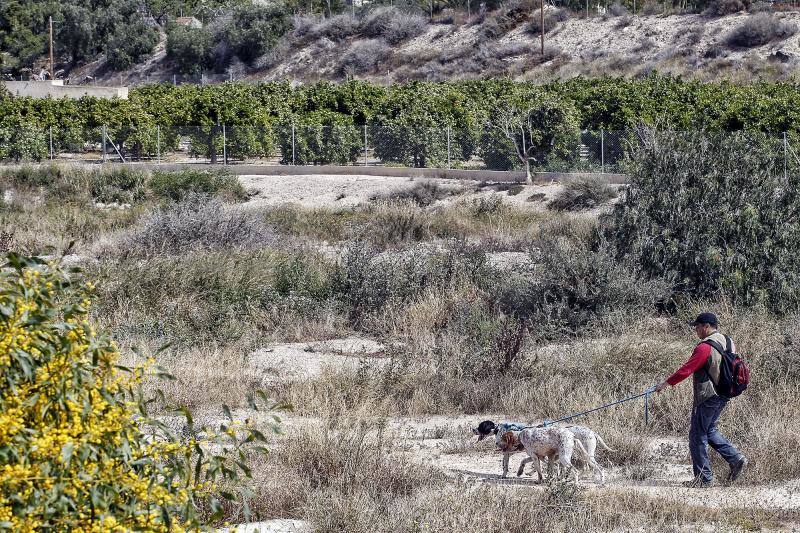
[437, 305]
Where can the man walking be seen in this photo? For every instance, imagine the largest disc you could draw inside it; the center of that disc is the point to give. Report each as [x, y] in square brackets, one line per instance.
[704, 367]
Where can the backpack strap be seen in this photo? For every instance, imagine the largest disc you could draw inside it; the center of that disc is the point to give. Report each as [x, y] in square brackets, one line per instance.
[717, 346]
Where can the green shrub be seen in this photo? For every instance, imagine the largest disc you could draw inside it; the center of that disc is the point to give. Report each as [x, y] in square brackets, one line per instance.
[728, 225]
[584, 192]
[370, 280]
[129, 44]
[22, 141]
[176, 185]
[124, 185]
[578, 284]
[254, 29]
[76, 433]
[190, 48]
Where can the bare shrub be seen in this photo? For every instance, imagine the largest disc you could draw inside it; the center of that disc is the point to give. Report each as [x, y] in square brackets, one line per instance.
[616, 10]
[693, 34]
[760, 29]
[337, 28]
[196, 223]
[303, 25]
[714, 52]
[624, 22]
[423, 194]
[721, 8]
[393, 25]
[652, 8]
[364, 56]
[585, 192]
[645, 44]
[511, 49]
[551, 18]
[760, 7]
[392, 223]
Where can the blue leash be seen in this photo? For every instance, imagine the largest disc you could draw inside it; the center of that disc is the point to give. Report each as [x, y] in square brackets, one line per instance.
[646, 395]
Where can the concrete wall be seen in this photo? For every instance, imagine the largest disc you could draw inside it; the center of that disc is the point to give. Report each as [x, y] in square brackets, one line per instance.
[43, 89]
[496, 176]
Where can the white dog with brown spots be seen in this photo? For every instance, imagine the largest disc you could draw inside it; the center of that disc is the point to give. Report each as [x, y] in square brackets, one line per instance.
[587, 437]
[542, 443]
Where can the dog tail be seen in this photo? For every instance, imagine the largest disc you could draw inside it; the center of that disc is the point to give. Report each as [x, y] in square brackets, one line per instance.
[602, 443]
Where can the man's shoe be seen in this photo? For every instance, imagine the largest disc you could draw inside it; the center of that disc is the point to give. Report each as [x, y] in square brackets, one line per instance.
[697, 483]
[736, 469]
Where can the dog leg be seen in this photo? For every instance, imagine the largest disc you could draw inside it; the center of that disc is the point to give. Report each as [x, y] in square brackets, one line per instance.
[505, 464]
[522, 464]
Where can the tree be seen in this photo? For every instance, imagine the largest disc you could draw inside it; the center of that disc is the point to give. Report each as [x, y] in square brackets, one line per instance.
[536, 126]
[254, 29]
[21, 140]
[414, 122]
[321, 138]
[190, 48]
[129, 44]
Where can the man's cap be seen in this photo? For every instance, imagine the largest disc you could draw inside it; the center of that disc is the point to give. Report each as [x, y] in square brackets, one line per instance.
[706, 318]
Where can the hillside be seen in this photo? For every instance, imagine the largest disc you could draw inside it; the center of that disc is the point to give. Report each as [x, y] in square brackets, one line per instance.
[739, 46]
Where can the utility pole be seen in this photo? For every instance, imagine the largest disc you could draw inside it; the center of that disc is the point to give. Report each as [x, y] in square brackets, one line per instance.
[541, 22]
[52, 70]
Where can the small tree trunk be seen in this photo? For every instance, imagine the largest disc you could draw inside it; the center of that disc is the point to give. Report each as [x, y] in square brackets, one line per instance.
[528, 178]
[212, 150]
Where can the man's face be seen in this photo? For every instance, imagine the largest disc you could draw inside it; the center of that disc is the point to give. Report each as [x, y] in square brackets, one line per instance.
[703, 330]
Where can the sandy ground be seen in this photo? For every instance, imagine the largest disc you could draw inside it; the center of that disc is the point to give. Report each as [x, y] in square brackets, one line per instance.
[447, 443]
[339, 191]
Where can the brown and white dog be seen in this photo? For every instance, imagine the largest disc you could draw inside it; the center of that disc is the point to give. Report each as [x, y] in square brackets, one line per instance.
[510, 446]
[587, 437]
[590, 439]
[551, 442]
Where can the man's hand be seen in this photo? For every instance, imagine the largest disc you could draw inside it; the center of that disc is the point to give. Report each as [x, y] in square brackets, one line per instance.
[662, 386]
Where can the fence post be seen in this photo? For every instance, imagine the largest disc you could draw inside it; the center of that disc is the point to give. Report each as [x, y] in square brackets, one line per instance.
[104, 143]
[293, 159]
[602, 152]
[448, 147]
[366, 162]
[785, 154]
[224, 146]
[174, 79]
[51, 143]
[158, 143]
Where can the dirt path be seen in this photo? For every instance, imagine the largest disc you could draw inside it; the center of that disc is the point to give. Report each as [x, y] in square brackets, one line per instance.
[340, 191]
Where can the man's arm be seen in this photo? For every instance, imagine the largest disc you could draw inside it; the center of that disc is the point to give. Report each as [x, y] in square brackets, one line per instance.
[699, 358]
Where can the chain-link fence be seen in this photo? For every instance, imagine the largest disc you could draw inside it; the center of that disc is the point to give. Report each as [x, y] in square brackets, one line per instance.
[289, 143]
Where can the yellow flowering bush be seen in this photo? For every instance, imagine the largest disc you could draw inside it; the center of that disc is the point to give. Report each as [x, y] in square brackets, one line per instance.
[78, 451]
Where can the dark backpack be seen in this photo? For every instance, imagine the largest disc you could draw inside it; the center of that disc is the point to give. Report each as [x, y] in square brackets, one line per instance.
[734, 374]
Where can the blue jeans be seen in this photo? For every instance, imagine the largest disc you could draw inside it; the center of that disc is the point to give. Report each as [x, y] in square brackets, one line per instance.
[703, 431]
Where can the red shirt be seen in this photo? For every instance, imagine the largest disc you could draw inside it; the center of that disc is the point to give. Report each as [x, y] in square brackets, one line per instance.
[699, 358]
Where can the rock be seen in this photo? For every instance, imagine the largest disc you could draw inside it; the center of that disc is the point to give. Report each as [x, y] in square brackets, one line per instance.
[780, 56]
